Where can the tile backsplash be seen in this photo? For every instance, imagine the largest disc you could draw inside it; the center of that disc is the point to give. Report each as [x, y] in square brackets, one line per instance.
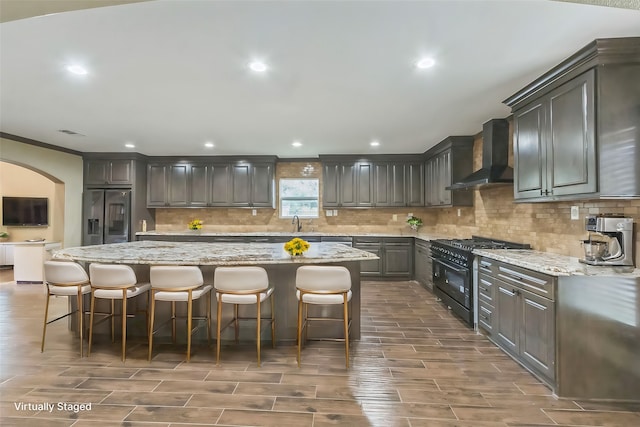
[545, 226]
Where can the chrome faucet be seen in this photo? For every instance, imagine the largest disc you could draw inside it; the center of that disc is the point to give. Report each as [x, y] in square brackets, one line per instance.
[298, 226]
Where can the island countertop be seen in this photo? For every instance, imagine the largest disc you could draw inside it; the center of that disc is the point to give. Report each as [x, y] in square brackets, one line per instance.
[199, 253]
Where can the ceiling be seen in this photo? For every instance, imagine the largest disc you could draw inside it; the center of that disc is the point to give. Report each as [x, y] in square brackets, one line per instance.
[168, 76]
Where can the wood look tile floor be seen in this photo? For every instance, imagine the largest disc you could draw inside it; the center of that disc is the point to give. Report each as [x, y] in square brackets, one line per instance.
[415, 366]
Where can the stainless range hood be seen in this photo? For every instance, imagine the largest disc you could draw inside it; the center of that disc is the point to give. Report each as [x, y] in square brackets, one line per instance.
[495, 158]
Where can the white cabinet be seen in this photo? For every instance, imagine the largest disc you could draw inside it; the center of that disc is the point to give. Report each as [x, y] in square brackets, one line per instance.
[6, 254]
[29, 258]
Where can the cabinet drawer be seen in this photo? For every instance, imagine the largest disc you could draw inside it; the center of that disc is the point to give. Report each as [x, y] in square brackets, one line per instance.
[369, 240]
[485, 317]
[397, 241]
[538, 283]
[486, 292]
[487, 266]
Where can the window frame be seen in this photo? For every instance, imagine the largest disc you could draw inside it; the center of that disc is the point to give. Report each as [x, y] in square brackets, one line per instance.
[281, 198]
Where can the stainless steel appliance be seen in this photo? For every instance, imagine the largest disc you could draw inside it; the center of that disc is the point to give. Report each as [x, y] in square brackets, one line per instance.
[107, 216]
[453, 270]
[610, 240]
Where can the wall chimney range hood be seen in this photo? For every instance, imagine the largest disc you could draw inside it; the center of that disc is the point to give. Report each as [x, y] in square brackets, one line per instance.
[495, 158]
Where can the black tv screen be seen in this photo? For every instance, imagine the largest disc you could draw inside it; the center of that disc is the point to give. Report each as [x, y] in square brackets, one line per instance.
[25, 211]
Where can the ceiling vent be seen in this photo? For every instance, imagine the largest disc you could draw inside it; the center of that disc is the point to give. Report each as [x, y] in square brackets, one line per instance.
[69, 132]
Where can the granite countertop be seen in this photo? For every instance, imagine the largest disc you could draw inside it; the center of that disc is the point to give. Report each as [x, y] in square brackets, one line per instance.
[197, 253]
[554, 264]
[422, 236]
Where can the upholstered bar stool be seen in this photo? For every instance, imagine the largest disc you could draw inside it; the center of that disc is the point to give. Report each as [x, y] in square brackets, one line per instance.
[323, 285]
[65, 279]
[243, 285]
[114, 282]
[178, 284]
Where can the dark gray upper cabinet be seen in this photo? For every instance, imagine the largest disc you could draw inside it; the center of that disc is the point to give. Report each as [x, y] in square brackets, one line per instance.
[448, 162]
[575, 127]
[389, 184]
[378, 181]
[202, 184]
[555, 148]
[220, 184]
[414, 184]
[108, 172]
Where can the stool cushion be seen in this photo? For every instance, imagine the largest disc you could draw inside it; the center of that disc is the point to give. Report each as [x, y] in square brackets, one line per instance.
[182, 295]
[117, 293]
[244, 299]
[68, 290]
[323, 298]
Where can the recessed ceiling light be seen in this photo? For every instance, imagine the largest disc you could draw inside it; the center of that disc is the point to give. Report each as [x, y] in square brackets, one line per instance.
[374, 143]
[77, 70]
[209, 144]
[258, 66]
[424, 63]
[129, 145]
[296, 144]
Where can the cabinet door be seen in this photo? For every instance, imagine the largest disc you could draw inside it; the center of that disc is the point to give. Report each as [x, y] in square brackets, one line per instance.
[241, 184]
[371, 268]
[199, 185]
[119, 172]
[429, 174]
[262, 185]
[364, 183]
[414, 184]
[157, 188]
[506, 317]
[330, 185]
[397, 260]
[96, 172]
[178, 185]
[571, 156]
[220, 186]
[529, 152]
[444, 178]
[347, 185]
[389, 184]
[537, 333]
[420, 269]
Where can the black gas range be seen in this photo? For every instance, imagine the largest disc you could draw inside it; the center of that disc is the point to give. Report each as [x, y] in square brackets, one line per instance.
[453, 270]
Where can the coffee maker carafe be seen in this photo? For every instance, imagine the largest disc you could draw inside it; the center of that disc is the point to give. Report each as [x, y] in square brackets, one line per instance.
[610, 240]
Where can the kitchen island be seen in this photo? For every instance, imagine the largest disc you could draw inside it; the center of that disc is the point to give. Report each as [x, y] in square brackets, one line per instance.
[280, 266]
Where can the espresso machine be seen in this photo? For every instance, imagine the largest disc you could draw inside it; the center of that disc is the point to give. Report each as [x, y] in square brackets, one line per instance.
[610, 240]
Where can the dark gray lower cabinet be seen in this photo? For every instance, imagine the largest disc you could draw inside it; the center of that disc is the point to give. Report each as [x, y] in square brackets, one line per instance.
[395, 253]
[516, 309]
[423, 267]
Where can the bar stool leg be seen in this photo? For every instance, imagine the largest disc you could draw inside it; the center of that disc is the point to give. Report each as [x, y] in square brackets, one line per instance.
[124, 323]
[273, 323]
[93, 305]
[258, 329]
[209, 318]
[151, 321]
[173, 321]
[80, 318]
[237, 323]
[219, 316]
[44, 326]
[189, 314]
[299, 328]
[346, 328]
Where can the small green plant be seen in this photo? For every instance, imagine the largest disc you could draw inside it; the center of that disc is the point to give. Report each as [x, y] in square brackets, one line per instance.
[4, 234]
[414, 222]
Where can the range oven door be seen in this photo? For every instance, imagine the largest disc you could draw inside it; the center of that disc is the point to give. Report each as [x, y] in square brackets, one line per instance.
[453, 280]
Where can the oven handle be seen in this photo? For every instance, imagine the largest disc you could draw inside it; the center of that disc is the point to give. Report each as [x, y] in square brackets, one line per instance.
[451, 266]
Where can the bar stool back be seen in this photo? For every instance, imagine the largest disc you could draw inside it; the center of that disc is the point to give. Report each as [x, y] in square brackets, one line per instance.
[113, 282]
[178, 283]
[243, 285]
[65, 278]
[323, 285]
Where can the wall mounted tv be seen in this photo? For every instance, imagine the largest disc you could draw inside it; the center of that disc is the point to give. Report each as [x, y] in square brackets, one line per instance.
[25, 211]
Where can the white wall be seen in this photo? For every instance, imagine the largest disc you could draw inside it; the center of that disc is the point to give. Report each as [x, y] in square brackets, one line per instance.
[64, 167]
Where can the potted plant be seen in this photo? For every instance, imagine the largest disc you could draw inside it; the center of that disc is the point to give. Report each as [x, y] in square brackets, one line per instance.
[414, 222]
[4, 236]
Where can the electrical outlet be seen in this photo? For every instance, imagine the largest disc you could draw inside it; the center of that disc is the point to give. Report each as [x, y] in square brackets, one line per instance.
[335, 212]
[459, 213]
[254, 212]
[575, 212]
[394, 217]
[329, 212]
[410, 214]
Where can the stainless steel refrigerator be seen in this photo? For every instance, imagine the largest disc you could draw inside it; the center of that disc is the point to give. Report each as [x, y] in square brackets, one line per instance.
[107, 216]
